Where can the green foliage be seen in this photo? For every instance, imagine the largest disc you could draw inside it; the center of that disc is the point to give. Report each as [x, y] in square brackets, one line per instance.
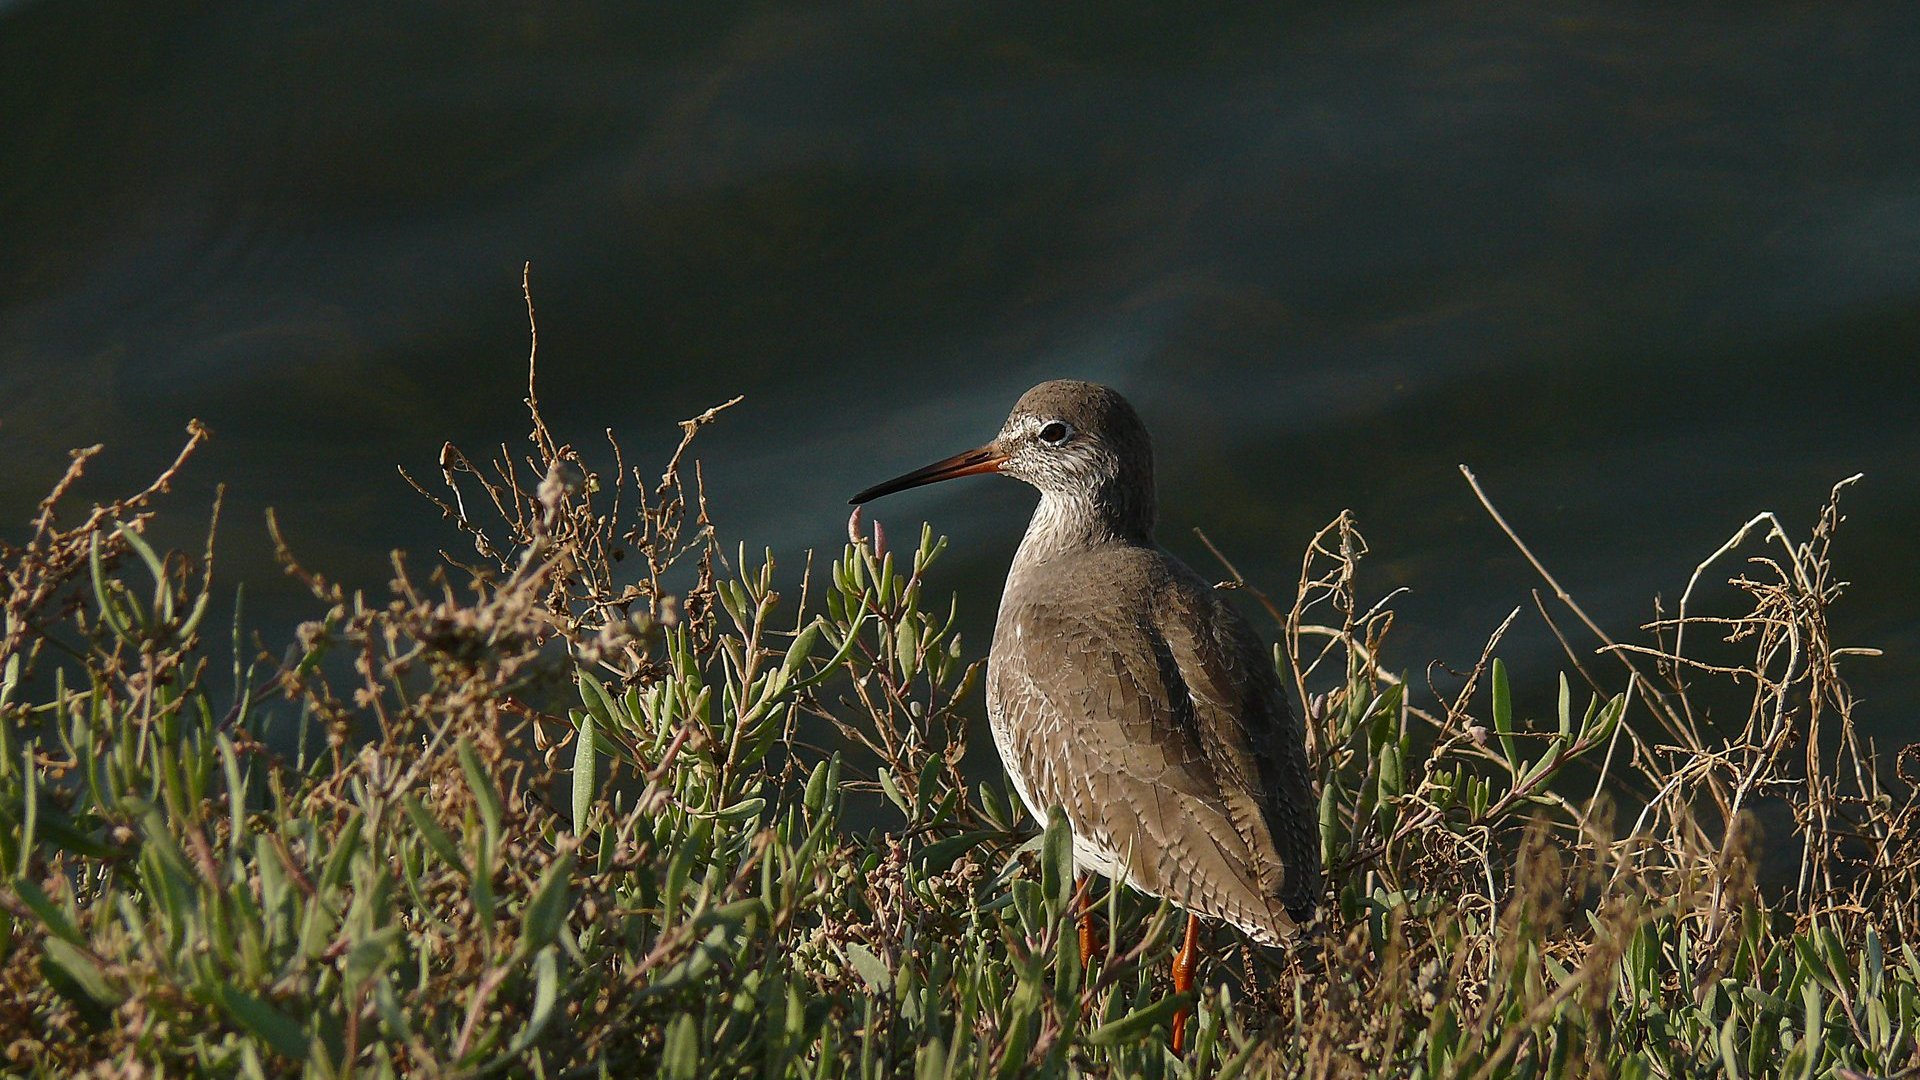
[536, 816]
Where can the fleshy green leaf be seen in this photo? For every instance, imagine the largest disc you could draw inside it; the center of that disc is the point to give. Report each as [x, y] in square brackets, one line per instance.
[1138, 1023]
[78, 965]
[488, 796]
[1056, 858]
[280, 1031]
[546, 991]
[547, 911]
[871, 968]
[435, 836]
[584, 763]
[1503, 712]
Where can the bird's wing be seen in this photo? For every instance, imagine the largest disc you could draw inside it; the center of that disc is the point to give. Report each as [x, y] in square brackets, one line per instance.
[1098, 718]
[1251, 739]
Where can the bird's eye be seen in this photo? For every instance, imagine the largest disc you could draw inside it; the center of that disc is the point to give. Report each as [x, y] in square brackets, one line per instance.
[1056, 433]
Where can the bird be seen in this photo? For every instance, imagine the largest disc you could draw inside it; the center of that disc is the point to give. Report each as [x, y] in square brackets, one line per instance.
[1123, 690]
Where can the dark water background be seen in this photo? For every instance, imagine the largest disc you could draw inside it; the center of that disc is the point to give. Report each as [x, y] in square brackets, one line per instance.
[1648, 268]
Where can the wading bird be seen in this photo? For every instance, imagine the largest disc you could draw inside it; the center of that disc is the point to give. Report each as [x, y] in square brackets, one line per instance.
[1123, 690]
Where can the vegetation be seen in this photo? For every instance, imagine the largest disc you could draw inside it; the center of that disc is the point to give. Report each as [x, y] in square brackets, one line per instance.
[571, 810]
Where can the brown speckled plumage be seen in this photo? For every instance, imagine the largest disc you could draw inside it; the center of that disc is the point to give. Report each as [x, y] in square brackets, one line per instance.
[1122, 689]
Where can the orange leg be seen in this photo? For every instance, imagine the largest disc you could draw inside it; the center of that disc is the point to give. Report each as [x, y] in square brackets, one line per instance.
[1089, 940]
[1184, 962]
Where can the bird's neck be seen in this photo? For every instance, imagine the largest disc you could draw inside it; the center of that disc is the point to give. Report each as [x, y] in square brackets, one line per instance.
[1069, 522]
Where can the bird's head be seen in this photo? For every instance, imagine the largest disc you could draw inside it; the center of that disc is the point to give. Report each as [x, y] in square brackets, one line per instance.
[1078, 442]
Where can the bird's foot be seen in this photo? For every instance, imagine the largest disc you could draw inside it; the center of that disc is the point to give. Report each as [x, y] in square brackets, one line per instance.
[1184, 962]
[1089, 935]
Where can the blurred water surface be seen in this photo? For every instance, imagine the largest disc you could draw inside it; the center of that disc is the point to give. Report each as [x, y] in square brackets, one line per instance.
[1648, 269]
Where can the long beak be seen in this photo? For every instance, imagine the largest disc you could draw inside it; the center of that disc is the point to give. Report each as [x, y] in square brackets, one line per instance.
[986, 459]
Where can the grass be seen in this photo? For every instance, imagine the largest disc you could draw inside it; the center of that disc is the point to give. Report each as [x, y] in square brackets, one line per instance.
[581, 807]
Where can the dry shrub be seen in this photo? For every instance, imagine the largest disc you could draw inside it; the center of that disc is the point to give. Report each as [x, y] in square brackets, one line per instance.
[1579, 897]
[560, 806]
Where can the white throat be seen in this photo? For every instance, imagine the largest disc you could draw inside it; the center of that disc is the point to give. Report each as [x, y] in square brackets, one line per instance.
[1062, 524]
